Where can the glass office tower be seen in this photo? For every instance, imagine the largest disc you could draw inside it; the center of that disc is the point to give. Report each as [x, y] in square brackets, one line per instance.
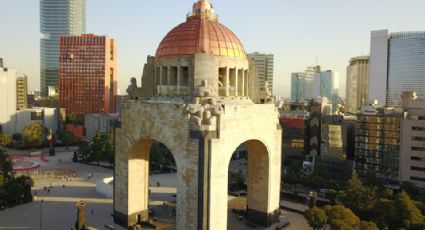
[406, 65]
[57, 17]
[397, 65]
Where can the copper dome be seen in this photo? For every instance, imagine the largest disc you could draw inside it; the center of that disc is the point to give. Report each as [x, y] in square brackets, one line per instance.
[201, 33]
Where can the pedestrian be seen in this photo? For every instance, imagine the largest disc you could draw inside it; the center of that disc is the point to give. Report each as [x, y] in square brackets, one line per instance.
[92, 212]
[48, 191]
[63, 186]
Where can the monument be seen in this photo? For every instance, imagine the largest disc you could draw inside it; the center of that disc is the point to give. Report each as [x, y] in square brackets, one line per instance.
[195, 99]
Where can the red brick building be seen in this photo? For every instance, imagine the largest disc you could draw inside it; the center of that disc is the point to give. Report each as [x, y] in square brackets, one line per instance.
[87, 74]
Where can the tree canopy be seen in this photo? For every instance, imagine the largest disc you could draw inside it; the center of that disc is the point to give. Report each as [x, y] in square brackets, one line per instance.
[316, 217]
[34, 135]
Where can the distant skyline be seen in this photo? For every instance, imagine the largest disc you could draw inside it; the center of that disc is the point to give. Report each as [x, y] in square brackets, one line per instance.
[296, 32]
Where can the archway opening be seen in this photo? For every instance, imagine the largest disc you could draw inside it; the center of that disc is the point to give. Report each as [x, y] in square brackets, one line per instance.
[153, 182]
[248, 186]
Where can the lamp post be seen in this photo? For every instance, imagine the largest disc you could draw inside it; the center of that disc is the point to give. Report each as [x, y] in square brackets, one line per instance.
[41, 214]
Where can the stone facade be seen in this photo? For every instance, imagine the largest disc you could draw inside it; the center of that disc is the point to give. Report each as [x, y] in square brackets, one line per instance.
[199, 106]
[202, 152]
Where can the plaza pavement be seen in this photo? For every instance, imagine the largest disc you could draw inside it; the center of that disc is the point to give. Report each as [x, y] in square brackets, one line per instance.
[58, 206]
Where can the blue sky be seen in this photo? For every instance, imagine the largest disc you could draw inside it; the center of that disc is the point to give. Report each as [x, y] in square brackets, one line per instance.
[296, 32]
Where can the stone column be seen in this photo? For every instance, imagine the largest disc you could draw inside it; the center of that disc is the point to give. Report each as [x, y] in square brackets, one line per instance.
[236, 82]
[161, 72]
[246, 83]
[168, 79]
[179, 76]
[243, 83]
[226, 82]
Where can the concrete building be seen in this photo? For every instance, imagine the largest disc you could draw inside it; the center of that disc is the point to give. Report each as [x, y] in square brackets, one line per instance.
[99, 122]
[264, 64]
[412, 161]
[7, 99]
[357, 89]
[47, 117]
[88, 74]
[337, 145]
[396, 66]
[57, 18]
[378, 142]
[196, 103]
[22, 92]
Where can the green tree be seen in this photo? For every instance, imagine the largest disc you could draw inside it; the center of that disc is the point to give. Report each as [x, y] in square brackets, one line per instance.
[34, 135]
[5, 140]
[341, 218]
[384, 213]
[410, 217]
[368, 225]
[160, 156]
[84, 151]
[67, 138]
[316, 217]
[358, 198]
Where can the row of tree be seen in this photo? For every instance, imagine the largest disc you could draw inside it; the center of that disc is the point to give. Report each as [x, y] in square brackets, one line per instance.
[377, 206]
[34, 136]
[99, 150]
[13, 190]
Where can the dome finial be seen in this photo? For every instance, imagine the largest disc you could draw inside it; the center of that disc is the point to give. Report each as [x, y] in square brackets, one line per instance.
[204, 9]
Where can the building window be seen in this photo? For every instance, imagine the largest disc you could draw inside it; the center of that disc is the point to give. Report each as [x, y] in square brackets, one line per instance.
[36, 116]
[418, 128]
[420, 149]
[418, 138]
[417, 178]
[417, 158]
[415, 168]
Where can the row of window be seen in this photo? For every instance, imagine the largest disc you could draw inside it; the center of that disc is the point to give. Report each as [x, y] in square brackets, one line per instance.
[420, 149]
[417, 178]
[418, 128]
[415, 168]
[413, 158]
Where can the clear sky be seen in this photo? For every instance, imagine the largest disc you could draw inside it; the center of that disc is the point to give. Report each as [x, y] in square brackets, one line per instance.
[295, 31]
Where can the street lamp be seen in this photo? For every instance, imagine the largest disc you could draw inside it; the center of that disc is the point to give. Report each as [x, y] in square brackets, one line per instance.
[41, 214]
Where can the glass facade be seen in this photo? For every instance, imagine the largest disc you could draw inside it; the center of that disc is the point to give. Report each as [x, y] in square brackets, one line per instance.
[57, 17]
[378, 144]
[406, 65]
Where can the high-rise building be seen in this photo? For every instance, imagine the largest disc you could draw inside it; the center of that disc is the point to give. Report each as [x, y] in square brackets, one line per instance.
[412, 161]
[397, 65]
[377, 147]
[22, 92]
[314, 83]
[8, 100]
[88, 67]
[57, 18]
[357, 83]
[264, 65]
[1, 62]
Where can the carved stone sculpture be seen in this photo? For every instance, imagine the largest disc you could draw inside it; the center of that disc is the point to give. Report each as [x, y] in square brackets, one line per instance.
[81, 223]
[131, 89]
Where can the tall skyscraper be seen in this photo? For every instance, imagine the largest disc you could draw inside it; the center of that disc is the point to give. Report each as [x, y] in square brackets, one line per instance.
[21, 92]
[57, 18]
[264, 65]
[314, 83]
[357, 83]
[8, 100]
[397, 66]
[88, 67]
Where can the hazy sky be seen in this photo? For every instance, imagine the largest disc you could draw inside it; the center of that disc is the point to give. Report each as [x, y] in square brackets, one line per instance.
[295, 31]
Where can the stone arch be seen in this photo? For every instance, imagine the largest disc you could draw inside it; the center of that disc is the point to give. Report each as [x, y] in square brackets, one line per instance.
[258, 181]
[138, 180]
